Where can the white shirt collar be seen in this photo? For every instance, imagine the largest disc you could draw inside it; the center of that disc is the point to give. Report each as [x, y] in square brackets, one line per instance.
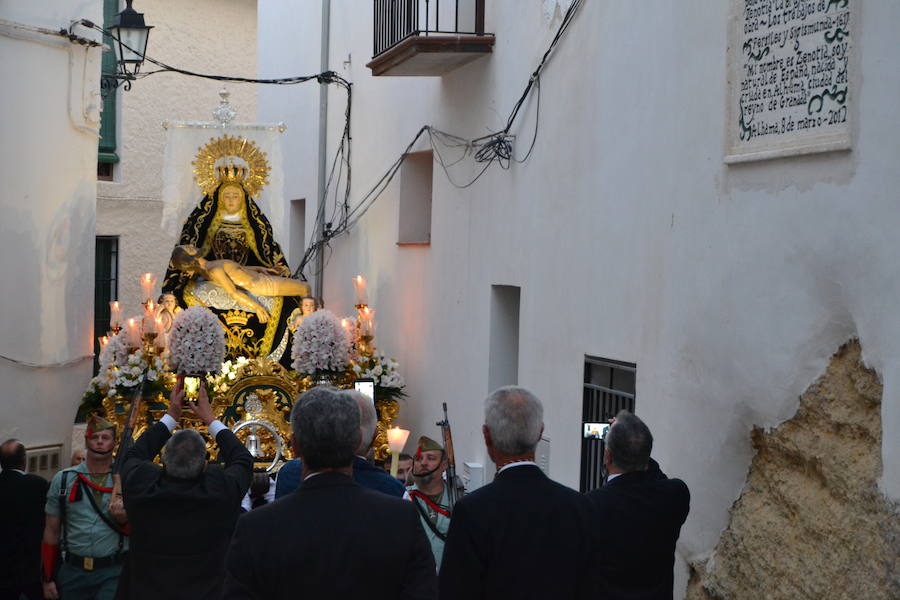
[517, 464]
[611, 477]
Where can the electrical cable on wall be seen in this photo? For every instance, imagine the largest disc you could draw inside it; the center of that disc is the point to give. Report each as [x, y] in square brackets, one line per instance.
[492, 148]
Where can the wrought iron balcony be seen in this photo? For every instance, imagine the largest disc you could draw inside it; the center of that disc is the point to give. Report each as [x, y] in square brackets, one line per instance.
[427, 37]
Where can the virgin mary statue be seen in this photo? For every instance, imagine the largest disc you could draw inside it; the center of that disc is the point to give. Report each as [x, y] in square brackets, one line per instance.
[228, 225]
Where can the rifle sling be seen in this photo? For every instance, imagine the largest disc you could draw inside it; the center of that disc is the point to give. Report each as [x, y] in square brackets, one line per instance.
[427, 521]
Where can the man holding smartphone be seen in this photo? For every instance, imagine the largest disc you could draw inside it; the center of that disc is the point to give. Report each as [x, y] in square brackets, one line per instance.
[182, 514]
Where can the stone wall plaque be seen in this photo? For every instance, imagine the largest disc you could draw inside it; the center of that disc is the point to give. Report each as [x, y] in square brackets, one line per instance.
[789, 73]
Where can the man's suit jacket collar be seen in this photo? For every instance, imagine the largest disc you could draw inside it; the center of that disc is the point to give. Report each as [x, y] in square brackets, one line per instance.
[328, 479]
[520, 472]
[634, 478]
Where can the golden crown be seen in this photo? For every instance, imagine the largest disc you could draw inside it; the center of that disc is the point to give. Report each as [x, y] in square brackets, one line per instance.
[252, 178]
[236, 317]
[231, 174]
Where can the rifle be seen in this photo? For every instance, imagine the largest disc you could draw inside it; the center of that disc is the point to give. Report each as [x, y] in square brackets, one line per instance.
[455, 488]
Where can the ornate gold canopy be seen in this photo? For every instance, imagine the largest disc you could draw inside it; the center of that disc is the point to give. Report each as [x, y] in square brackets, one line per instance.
[206, 175]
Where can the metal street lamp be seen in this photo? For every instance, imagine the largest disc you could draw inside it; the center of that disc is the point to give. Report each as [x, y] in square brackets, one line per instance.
[128, 36]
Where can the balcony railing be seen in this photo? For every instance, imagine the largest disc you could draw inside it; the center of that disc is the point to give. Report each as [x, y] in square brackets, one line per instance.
[427, 38]
[397, 20]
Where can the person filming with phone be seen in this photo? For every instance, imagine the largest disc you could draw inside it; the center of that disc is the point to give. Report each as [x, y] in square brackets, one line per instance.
[182, 514]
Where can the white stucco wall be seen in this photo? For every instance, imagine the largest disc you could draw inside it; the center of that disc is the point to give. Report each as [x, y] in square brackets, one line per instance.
[728, 286]
[206, 36]
[49, 131]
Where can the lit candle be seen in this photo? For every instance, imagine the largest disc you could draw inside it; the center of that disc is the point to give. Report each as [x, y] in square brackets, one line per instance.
[134, 333]
[114, 315]
[161, 340]
[148, 282]
[396, 440]
[359, 285]
[104, 341]
[150, 318]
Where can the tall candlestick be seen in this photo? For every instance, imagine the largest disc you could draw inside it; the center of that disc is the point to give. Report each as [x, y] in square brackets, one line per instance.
[115, 319]
[359, 285]
[148, 282]
[367, 321]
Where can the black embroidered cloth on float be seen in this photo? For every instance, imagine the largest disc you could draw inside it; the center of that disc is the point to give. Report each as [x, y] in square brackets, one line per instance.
[246, 238]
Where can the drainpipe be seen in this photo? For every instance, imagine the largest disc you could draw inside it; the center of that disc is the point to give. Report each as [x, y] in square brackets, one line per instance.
[323, 147]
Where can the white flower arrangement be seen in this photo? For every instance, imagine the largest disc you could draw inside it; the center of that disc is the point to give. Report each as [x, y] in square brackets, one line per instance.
[113, 357]
[138, 368]
[389, 383]
[219, 382]
[320, 345]
[196, 342]
[115, 353]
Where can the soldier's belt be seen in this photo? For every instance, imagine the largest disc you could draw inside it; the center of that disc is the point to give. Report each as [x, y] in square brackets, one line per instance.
[91, 563]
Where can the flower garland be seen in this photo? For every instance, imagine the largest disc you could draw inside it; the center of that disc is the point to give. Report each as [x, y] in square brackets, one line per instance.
[321, 345]
[196, 342]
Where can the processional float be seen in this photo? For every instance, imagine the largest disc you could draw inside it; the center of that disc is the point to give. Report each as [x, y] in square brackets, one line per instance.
[275, 344]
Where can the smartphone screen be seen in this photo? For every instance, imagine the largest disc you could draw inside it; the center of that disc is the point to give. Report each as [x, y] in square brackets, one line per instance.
[191, 387]
[595, 431]
[366, 387]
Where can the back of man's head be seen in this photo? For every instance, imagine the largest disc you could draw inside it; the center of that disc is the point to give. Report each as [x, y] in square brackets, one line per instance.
[515, 418]
[325, 424]
[629, 441]
[368, 420]
[184, 455]
[12, 455]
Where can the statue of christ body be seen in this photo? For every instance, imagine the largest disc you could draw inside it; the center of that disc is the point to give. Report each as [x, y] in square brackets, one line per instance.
[234, 277]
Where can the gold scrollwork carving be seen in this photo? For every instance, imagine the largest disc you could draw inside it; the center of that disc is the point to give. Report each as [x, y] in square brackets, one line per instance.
[387, 412]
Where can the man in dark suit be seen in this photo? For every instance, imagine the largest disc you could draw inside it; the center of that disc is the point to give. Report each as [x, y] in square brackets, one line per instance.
[637, 516]
[364, 473]
[22, 498]
[182, 514]
[522, 536]
[332, 538]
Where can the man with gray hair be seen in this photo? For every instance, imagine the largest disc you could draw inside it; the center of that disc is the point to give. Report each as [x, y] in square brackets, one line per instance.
[364, 473]
[639, 513]
[523, 535]
[332, 538]
[181, 514]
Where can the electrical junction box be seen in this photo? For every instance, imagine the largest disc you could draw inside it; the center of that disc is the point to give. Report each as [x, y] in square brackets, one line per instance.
[472, 476]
